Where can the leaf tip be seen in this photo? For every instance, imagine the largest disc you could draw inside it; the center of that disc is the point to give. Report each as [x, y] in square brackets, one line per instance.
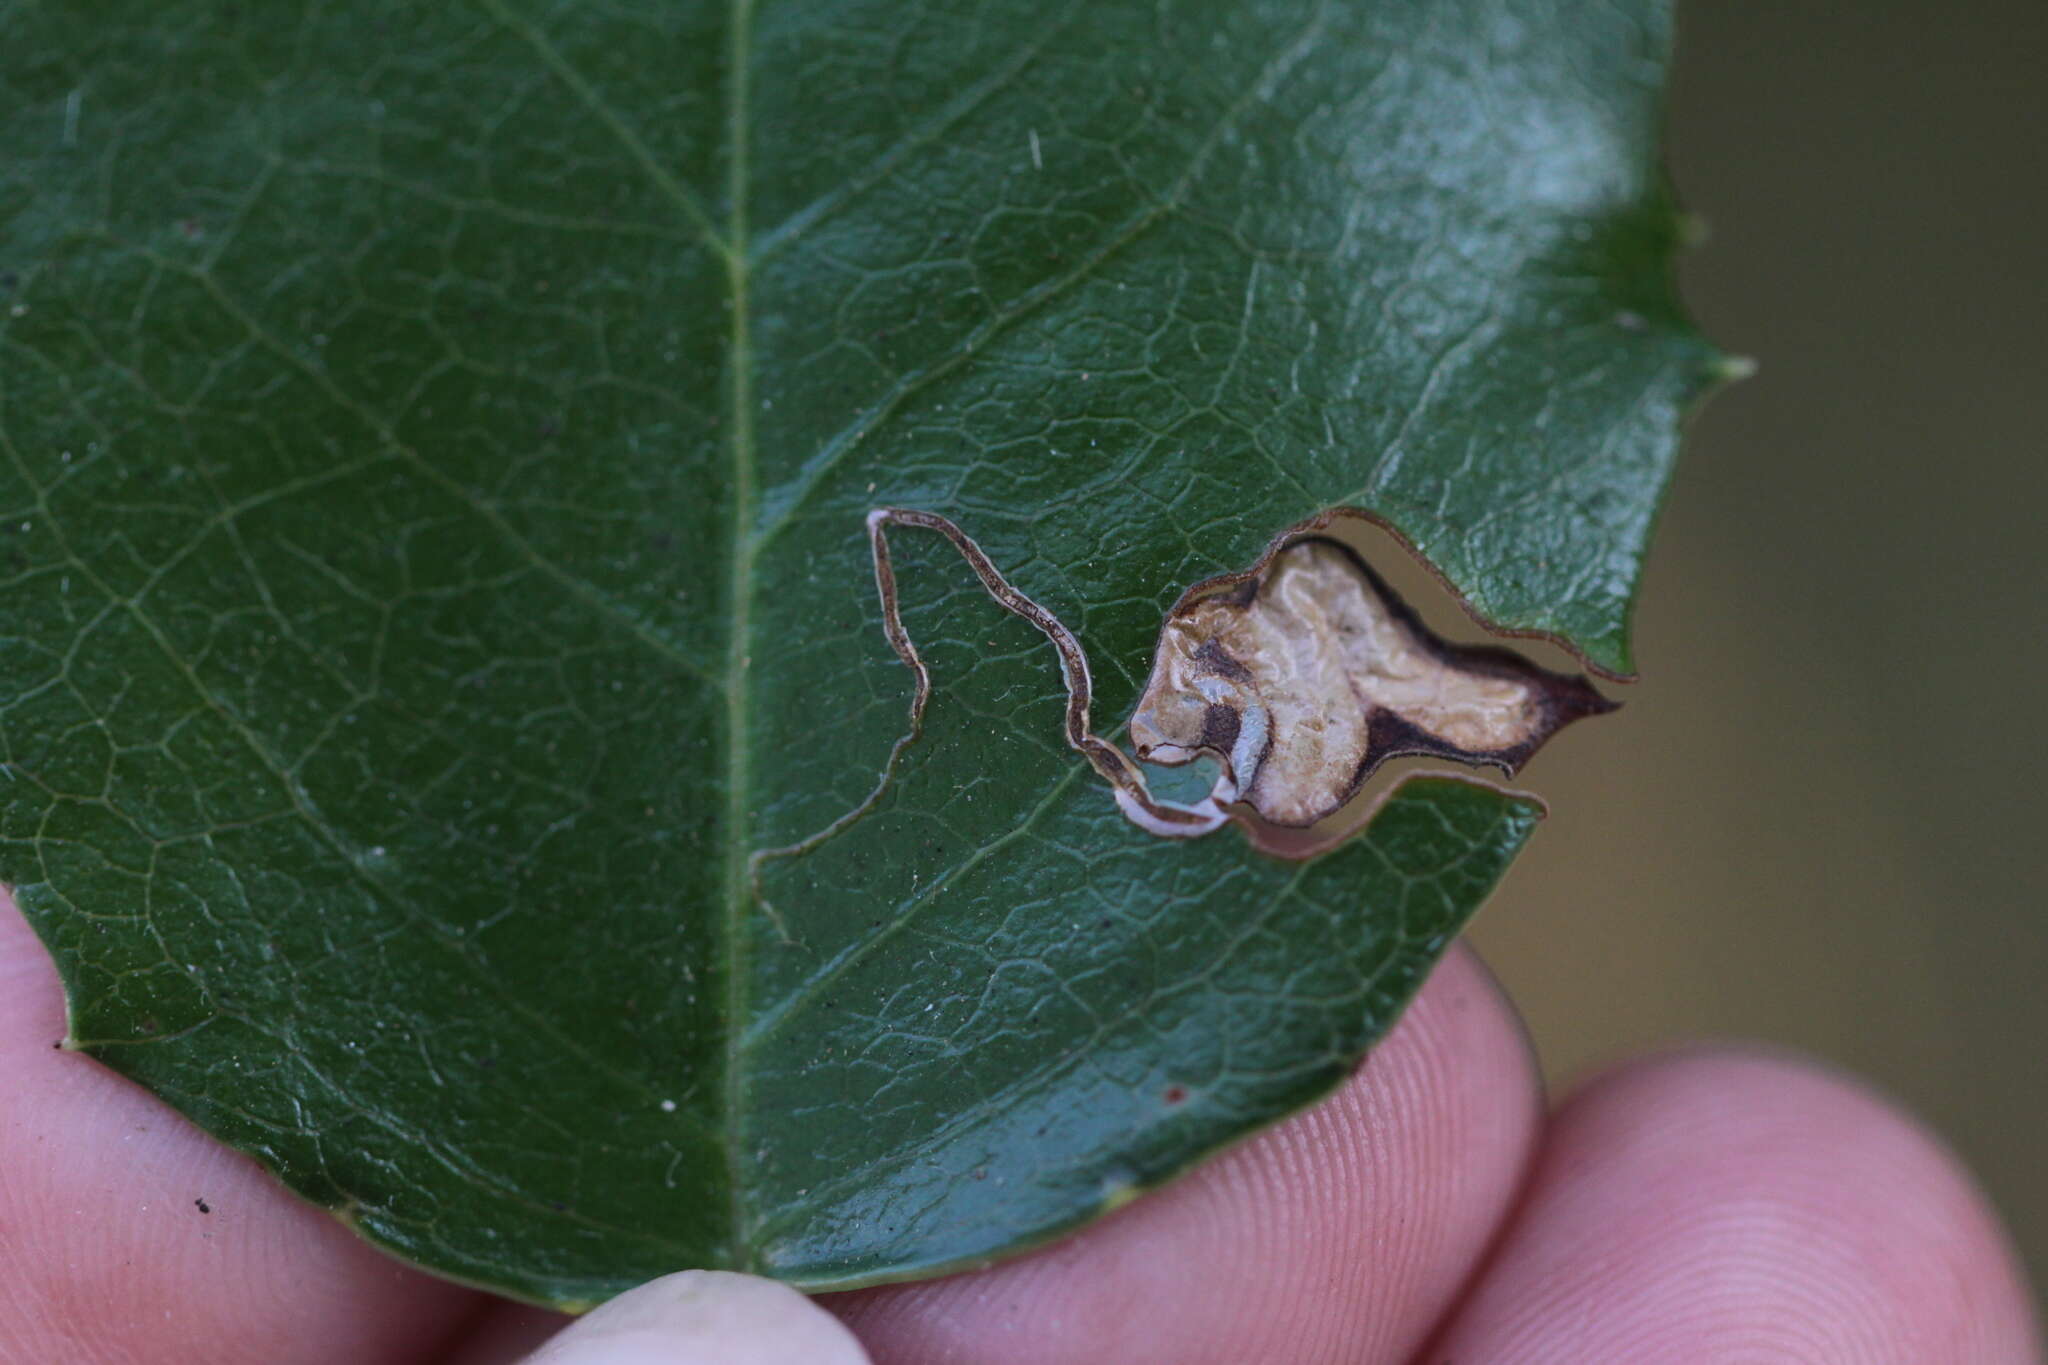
[1732, 369]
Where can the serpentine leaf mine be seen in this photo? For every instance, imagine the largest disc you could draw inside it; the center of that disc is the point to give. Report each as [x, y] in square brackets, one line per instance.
[1299, 677]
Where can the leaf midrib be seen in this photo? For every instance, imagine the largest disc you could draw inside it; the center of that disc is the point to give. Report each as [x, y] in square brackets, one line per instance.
[747, 540]
[730, 248]
[739, 606]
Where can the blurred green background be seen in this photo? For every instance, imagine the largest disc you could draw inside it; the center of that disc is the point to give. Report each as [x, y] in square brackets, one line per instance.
[1819, 822]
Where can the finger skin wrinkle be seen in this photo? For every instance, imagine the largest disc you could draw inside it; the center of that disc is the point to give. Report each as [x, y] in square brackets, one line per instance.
[1724, 1206]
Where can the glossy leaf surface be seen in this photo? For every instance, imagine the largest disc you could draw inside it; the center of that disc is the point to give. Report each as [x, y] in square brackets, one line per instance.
[434, 444]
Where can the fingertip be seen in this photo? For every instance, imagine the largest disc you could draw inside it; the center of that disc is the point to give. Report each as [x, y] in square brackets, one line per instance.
[1341, 1234]
[31, 996]
[706, 1317]
[1712, 1201]
[128, 1234]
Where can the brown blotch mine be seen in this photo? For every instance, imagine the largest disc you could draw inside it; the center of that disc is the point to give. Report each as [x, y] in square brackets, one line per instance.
[1306, 676]
[1301, 674]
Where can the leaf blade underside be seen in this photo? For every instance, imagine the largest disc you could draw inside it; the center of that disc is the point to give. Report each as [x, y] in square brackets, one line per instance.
[436, 446]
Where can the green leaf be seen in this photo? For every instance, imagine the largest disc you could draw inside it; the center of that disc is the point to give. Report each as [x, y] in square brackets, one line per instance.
[434, 447]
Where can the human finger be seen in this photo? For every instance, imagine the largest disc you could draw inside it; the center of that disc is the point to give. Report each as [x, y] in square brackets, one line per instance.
[705, 1317]
[1340, 1235]
[129, 1237]
[1716, 1205]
